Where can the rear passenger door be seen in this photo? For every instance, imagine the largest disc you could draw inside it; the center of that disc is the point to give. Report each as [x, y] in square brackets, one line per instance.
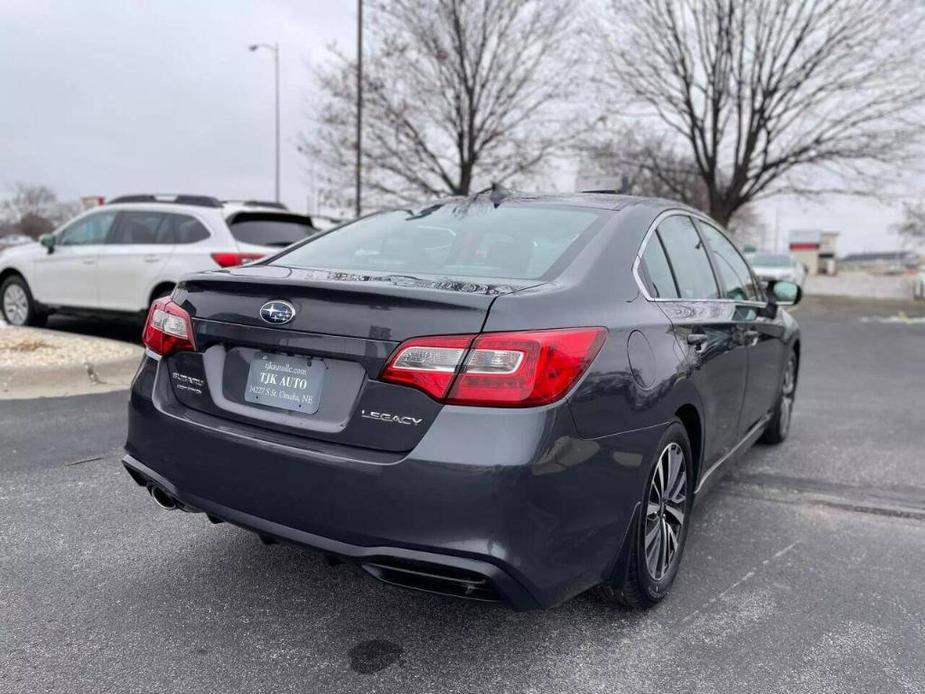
[138, 247]
[680, 277]
[762, 336]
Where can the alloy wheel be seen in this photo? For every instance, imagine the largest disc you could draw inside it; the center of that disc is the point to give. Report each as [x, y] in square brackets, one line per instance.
[15, 305]
[665, 511]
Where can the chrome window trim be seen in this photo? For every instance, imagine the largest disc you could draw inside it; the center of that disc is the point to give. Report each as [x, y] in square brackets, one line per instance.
[642, 247]
[645, 242]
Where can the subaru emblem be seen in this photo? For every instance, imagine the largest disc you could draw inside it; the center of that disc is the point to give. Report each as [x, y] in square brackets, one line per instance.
[277, 312]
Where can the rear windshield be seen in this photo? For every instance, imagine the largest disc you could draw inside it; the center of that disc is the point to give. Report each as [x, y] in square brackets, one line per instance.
[470, 240]
[268, 229]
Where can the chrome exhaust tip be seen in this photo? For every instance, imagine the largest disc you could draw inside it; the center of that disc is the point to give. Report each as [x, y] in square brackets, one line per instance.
[162, 498]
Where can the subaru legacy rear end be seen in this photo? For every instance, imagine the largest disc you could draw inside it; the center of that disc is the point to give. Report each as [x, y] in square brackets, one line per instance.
[396, 393]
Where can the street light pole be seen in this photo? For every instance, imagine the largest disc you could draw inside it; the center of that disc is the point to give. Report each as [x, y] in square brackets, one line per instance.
[359, 164]
[275, 48]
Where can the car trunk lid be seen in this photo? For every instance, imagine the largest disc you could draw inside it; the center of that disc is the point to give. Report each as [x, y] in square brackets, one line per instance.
[315, 376]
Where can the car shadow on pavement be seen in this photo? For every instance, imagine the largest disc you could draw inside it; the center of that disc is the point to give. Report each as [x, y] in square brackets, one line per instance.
[204, 594]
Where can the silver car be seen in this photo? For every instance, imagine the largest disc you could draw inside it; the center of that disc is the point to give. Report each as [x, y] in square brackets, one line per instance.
[778, 266]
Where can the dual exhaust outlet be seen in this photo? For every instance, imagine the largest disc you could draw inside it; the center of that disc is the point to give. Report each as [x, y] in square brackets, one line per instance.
[162, 498]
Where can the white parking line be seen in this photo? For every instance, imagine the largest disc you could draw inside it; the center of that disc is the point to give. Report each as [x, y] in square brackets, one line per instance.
[900, 317]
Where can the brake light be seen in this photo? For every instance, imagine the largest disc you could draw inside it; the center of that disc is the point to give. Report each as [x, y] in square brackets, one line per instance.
[168, 328]
[512, 369]
[233, 259]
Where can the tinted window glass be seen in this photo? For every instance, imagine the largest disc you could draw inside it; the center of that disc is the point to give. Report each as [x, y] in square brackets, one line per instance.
[733, 270]
[658, 272]
[269, 229]
[470, 240]
[87, 231]
[688, 258]
[137, 227]
[181, 228]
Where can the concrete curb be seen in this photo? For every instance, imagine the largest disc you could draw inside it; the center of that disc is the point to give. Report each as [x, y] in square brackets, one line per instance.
[84, 375]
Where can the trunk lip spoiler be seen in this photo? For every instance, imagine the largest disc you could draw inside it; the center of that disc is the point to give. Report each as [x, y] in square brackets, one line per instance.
[327, 279]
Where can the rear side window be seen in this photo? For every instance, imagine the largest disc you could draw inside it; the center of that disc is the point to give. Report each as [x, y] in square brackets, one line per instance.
[733, 270]
[181, 228]
[468, 239]
[659, 280]
[262, 229]
[688, 257]
[137, 227]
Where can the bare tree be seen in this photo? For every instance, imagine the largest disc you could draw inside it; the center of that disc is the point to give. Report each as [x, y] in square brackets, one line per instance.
[28, 199]
[458, 94]
[911, 228]
[641, 164]
[771, 96]
[748, 228]
[34, 210]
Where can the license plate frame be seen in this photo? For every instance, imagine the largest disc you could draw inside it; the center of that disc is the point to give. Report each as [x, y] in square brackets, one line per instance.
[285, 382]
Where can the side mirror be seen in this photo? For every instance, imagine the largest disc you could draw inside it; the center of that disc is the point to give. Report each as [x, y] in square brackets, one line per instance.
[48, 240]
[784, 293]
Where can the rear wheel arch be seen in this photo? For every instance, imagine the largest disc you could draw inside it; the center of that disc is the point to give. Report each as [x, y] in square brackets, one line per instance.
[161, 289]
[690, 419]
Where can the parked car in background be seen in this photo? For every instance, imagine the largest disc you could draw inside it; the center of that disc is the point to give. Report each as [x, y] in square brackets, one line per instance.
[505, 399]
[121, 256]
[14, 240]
[778, 266]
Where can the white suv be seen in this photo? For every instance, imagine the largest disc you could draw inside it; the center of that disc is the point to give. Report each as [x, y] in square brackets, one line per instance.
[123, 255]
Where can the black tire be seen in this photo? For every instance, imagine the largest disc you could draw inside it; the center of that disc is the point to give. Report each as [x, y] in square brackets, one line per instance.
[17, 305]
[779, 427]
[160, 292]
[641, 585]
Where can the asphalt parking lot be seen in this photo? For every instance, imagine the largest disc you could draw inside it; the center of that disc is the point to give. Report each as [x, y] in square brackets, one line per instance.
[803, 573]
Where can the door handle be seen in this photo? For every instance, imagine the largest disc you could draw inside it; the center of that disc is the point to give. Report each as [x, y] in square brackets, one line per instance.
[152, 258]
[89, 261]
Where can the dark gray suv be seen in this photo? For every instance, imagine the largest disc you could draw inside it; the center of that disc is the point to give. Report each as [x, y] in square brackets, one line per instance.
[504, 398]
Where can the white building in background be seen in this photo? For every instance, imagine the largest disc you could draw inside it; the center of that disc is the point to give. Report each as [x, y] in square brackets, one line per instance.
[816, 249]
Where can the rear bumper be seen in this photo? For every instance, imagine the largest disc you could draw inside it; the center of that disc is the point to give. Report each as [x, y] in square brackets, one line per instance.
[511, 507]
[382, 562]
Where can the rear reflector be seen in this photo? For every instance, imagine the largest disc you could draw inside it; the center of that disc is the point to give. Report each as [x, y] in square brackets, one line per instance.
[233, 259]
[168, 328]
[514, 369]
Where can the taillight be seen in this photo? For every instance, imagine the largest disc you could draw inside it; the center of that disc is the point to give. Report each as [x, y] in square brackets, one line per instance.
[513, 369]
[233, 259]
[428, 363]
[168, 328]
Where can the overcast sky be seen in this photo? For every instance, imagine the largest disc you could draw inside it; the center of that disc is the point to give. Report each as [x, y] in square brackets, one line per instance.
[113, 97]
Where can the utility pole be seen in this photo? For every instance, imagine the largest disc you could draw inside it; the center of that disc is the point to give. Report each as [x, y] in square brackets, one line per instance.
[275, 48]
[276, 71]
[359, 165]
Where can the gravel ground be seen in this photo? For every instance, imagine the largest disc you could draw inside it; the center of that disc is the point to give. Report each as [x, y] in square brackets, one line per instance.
[28, 348]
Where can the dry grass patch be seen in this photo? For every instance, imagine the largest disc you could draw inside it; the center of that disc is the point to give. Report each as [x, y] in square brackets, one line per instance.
[27, 346]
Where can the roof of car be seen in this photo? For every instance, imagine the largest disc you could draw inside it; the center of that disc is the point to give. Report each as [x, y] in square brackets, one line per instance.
[594, 199]
[227, 208]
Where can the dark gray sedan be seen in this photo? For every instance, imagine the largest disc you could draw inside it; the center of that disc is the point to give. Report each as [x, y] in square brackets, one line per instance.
[504, 398]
